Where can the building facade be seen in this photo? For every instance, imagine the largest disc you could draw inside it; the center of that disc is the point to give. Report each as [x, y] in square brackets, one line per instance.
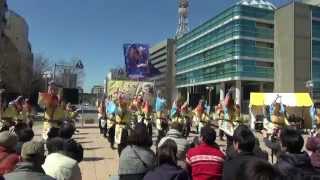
[233, 49]
[297, 48]
[16, 65]
[162, 57]
[3, 10]
[97, 90]
[17, 31]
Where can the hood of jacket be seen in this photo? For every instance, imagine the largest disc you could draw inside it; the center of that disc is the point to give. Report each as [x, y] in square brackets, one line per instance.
[27, 167]
[58, 165]
[165, 171]
[174, 133]
[134, 159]
[296, 160]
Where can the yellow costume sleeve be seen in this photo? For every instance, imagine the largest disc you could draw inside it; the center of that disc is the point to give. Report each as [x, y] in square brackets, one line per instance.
[55, 114]
[124, 119]
[11, 113]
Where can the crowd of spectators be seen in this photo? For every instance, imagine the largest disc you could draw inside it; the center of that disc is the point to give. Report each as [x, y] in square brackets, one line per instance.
[174, 158]
[23, 158]
[204, 159]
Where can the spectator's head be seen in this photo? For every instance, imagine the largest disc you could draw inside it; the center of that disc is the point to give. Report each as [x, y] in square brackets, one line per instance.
[33, 151]
[177, 126]
[139, 136]
[66, 131]
[167, 153]
[8, 140]
[208, 135]
[25, 135]
[53, 132]
[291, 141]
[258, 170]
[243, 139]
[73, 149]
[54, 145]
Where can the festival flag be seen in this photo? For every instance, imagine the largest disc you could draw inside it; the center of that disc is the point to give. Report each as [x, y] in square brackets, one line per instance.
[147, 108]
[111, 108]
[174, 110]
[313, 114]
[184, 107]
[160, 104]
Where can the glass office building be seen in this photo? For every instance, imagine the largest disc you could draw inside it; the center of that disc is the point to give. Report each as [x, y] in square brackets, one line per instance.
[233, 49]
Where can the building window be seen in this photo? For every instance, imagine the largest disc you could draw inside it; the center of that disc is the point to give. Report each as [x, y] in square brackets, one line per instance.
[264, 64]
[264, 44]
[264, 25]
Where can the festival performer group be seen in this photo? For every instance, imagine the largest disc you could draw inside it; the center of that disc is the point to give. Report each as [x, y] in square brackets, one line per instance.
[119, 113]
[19, 113]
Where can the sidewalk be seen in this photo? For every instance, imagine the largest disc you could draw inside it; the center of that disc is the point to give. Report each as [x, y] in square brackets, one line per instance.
[100, 162]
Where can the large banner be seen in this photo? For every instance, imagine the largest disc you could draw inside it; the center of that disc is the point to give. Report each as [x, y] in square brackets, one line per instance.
[132, 88]
[138, 66]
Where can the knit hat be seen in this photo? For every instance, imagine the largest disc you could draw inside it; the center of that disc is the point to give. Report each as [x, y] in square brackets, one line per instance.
[8, 140]
[31, 149]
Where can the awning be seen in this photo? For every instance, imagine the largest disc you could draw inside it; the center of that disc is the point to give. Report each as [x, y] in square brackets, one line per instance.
[288, 99]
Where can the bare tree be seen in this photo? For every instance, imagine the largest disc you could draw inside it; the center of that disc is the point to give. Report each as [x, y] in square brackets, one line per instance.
[26, 74]
[41, 64]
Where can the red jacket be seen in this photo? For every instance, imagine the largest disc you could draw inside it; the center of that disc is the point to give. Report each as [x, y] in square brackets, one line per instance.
[205, 162]
[8, 160]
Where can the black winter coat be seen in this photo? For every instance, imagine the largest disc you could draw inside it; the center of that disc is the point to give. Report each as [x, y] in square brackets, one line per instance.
[167, 172]
[296, 166]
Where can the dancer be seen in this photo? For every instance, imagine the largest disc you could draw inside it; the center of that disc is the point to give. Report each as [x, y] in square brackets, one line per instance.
[161, 121]
[54, 113]
[186, 114]
[26, 113]
[122, 119]
[12, 114]
[200, 118]
[102, 117]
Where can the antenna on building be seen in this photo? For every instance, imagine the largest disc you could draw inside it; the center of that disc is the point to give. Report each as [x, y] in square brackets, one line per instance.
[183, 26]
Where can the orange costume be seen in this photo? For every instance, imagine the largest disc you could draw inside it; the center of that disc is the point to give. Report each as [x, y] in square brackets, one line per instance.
[54, 114]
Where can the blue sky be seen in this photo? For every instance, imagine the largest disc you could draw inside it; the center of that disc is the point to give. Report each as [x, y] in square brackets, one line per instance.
[95, 30]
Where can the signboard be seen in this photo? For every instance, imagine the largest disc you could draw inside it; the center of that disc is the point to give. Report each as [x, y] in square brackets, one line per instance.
[131, 89]
[136, 60]
[138, 66]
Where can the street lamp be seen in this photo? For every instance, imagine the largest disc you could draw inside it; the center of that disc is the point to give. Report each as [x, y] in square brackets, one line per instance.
[46, 76]
[210, 88]
[310, 85]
